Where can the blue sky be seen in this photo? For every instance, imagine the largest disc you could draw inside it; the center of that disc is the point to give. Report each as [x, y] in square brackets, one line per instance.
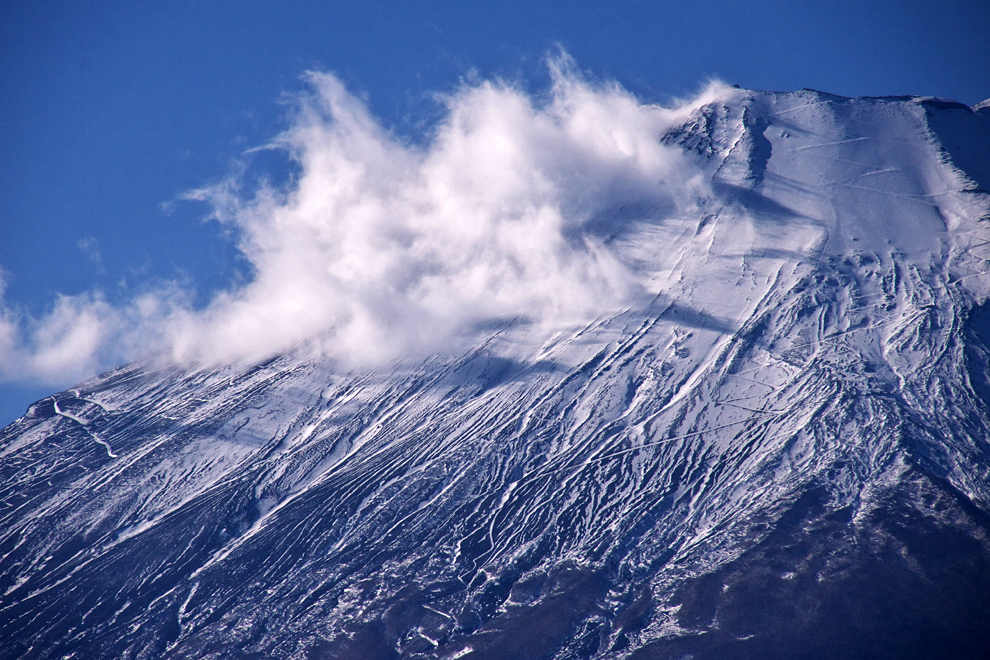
[110, 112]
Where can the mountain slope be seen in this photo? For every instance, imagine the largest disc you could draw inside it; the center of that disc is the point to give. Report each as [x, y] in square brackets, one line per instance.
[784, 453]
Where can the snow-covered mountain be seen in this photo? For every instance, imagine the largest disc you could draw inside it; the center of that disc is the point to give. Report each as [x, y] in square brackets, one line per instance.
[784, 454]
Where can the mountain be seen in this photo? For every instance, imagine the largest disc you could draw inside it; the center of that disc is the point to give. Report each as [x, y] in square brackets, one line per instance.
[785, 453]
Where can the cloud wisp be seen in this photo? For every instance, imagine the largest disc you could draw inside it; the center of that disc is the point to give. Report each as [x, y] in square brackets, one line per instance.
[378, 249]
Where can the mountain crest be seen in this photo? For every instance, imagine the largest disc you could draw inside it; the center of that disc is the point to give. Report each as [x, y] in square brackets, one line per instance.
[781, 452]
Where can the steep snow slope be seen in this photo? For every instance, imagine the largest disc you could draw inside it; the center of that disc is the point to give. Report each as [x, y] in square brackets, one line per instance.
[784, 454]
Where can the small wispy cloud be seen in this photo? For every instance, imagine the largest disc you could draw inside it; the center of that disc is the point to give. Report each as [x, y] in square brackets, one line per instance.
[90, 247]
[379, 249]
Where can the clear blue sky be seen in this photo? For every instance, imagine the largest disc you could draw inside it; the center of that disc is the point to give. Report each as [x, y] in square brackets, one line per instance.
[111, 110]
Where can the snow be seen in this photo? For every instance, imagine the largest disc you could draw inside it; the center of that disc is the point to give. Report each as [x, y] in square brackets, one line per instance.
[807, 317]
[84, 423]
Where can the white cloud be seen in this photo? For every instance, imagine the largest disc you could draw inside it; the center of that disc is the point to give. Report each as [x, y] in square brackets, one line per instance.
[379, 249]
[91, 248]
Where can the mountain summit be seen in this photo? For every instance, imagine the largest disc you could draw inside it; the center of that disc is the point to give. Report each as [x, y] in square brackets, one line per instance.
[775, 445]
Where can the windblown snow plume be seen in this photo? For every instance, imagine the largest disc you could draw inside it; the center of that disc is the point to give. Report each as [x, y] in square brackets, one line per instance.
[379, 249]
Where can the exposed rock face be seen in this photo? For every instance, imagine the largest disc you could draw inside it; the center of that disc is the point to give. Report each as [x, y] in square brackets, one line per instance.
[784, 455]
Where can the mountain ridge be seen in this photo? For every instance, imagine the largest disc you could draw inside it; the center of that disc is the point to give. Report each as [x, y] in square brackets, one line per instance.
[717, 471]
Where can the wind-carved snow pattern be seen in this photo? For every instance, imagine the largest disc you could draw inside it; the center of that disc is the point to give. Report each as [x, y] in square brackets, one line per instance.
[804, 381]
